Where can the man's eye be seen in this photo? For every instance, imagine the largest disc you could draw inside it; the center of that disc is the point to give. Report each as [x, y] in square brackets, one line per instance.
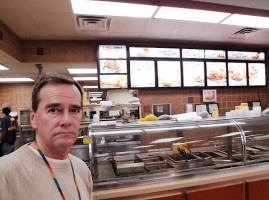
[75, 110]
[52, 110]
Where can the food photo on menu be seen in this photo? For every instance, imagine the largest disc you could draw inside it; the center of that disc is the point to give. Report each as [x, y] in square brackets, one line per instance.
[142, 73]
[256, 73]
[113, 66]
[215, 54]
[216, 74]
[113, 81]
[193, 73]
[154, 52]
[237, 74]
[112, 51]
[193, 53]
[169, 73]
[241, 55]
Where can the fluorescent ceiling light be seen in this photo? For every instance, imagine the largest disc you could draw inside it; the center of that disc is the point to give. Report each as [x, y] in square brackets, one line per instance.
[16, 80]
[82, 71]
[2, 67]
[247, 20]
[86, 7]
[191, 15]
[85, 78]
[90, 86]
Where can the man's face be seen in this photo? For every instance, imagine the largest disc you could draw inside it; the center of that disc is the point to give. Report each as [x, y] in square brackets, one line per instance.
[57, 118]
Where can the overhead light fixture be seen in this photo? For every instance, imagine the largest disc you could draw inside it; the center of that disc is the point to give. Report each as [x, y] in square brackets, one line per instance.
[186, 14]
[16, 80]
[2, 67]
[82, 71]
[86, 7]
[247, 20]
[85, 78]
[90, 86]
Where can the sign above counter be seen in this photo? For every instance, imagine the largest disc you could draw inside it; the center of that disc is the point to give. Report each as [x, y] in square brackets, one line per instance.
[120, 66]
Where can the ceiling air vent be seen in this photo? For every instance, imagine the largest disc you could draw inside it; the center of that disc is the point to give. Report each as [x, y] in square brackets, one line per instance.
[245, 33]
[93, 23]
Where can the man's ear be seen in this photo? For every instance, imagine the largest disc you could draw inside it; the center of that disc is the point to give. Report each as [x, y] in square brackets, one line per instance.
[33, 118]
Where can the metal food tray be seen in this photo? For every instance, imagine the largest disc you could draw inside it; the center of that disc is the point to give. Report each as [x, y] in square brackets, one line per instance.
[124, 165]
[159, 167]
[150, 159]
[181, 163]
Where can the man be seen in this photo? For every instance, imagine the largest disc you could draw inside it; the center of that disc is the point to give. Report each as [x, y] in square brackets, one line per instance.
[8, 135]
[44, 169]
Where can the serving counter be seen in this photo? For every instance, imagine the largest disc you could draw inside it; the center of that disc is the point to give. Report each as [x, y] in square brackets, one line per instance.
[142, 158]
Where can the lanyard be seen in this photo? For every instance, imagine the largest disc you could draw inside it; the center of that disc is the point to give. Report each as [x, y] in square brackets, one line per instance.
[53, 175]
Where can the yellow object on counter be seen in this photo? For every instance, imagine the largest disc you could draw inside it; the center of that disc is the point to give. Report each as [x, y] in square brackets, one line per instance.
[244, 104]
[86, 140]
[237, 108]
[150, 117]
[182, 146]
[215, 112]
[141, 119]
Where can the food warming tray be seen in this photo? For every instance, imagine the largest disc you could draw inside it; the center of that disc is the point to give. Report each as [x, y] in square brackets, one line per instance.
[124, 165]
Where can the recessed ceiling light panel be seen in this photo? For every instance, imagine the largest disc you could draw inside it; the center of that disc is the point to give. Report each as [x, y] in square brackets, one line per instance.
[2, 67]
[82, 71]
[85, 78]
[15, 80]
[247, 20]
[191, 15]
[86, 7]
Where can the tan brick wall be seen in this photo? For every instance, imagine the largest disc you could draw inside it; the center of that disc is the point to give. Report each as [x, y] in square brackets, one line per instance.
[17, 95]
[10, 43]
[227, 98]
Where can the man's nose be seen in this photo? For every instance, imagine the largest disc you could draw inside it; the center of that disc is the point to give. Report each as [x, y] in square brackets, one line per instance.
[66, 119]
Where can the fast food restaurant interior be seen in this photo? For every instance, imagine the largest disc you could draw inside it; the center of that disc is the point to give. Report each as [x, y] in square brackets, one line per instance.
[224, 46]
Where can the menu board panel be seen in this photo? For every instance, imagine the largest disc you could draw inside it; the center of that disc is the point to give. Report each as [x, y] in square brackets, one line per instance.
[215, 54]
[169, 73]
[216, 74]
[112, 51]
[237, 74]
[256, 74]
[142, 73]
[193, 53]
[193, 73]
[113, 81]
[154, 52]
[242, 55]
[113, 66]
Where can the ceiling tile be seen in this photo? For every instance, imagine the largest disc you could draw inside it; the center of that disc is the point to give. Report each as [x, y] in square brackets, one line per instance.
[127, 24]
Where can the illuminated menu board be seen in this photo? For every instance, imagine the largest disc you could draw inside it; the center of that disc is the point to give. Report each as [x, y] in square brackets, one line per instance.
[113, 66]
[113, 81]
[120, 66]
[193, 53]
[237, 74]
[243, 55]
[215, 54]
[216, 74]
[169, 73]
[112, 51]
[142, 73]
[154, 52]
[193, 73]
[256, 74]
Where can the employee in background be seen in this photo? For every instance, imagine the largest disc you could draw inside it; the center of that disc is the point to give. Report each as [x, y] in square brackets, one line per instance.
[8, 134]
[44, 169]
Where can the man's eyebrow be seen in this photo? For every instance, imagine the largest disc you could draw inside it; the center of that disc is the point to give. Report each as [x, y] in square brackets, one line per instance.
[52, 105]
[77, 107]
